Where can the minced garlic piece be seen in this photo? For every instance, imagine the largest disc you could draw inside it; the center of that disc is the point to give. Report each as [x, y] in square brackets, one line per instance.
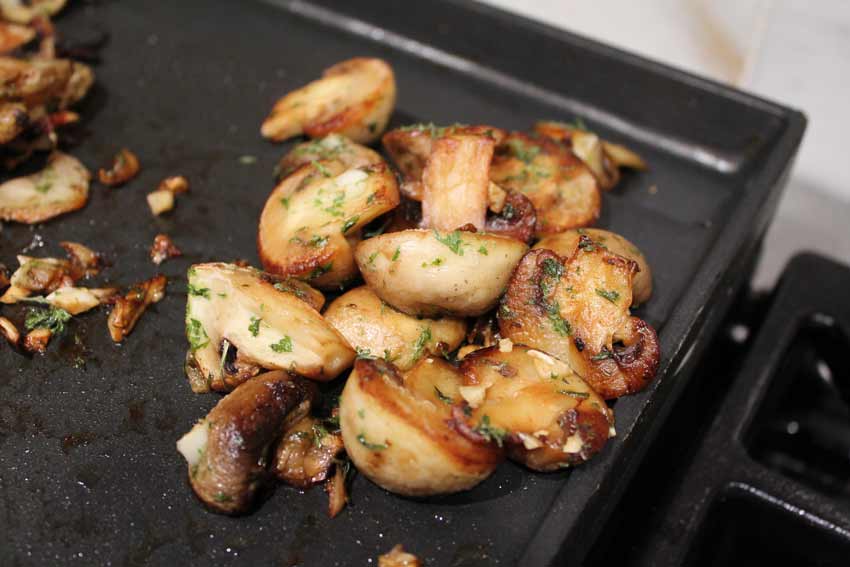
[574, 443]
[474, 395]
[529, 441]
[506, 345]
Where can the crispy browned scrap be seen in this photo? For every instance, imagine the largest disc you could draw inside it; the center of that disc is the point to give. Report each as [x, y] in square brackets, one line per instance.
[354, 98]
[37, 340]
[410, 147]
[174, 184]
[25, 11]
[163, 248]
[577, 309]
[307, 452]
[10, 331]
[125, 166]
[516, 217]
[398, 557]
[226, 452]
[562, 189]
[85, 262]
[455, 182]
[603, 158]
[129, 308]
[13, 36]
[61, 187]
[545, 415]
[337, 491]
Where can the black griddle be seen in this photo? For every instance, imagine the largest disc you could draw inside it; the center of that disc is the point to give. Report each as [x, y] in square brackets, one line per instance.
[88, 468]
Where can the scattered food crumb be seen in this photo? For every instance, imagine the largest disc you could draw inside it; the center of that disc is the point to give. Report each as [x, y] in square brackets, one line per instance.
[125, 166]
[653, 189]
[163, 248]
[160, 201]
[247, 159]
[398, 557]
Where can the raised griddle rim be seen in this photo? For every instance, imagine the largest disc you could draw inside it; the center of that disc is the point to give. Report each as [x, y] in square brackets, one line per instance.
[576, 516]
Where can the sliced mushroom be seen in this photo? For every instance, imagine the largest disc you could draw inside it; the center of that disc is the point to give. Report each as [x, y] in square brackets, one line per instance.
[430, 273]
[85, 262]
[455, 182]
[354, 98]
[312, 220]
[238, 322]
[546, 416]
[331, 148]
[76, 300]
[566, 243]
[578, 311]
[410, 147]
[129, 308]
[563, 190]
[44, 83]
[405, 443]
[307, 453]
[61, 187]
[10, 331]
[603, 158]
[227, 451]
[376, 329]
[38, 275]
[125, 166]
[25, 11]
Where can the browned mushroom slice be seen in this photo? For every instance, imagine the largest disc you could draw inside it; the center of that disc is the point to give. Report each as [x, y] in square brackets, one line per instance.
[61, 187]
[376, 329]
[410, 147]
[354, 98]
[407, 443]
[239, 320]
[603, 158]
[578, 310]
[13, 120]
[306, 453]
[85, 262]
[125, 166]
[128, 309]
[9, 331]
[566, 243]
[561, 188]
[545, 415]
[226, 451]
[312, 219]
[40, 83]
[331, 148]
[455, 182]
[516, 218]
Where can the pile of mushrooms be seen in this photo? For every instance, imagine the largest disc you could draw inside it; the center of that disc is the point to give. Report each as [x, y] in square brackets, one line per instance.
[474, 315]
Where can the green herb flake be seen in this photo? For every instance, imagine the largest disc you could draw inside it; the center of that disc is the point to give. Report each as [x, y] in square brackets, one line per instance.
[45, 180]
[522, 151]
[283, 345]
[196, 334]
[489, 432]
[321, 270]
[574, 394]
[610, 295]
[198, 291]
[361, 438]
[318, 241]
[421, 342]
[222, 497]
[319, 433]
[320, 167]
[483, 250]
[52, 318]
[361, 413]
[561, 325]
[451, 240]
[442, 397]
[254, 327]
[396, 254]
[601, 356]
[285, 202]
[364, 353]
[552, 268]
[350, 223]
[372, 257]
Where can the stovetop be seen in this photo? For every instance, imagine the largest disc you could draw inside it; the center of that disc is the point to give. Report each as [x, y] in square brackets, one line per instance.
[753, 466]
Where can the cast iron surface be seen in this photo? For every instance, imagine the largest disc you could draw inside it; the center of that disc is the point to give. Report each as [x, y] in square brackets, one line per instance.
[88, 469]
[767, 483]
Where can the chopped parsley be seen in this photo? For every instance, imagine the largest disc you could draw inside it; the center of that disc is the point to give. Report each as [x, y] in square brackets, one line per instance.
[552, 268]
[222, 497]
[285, 202]
[372, 257]
[434, 262]
[574, 394]
[483, 250]
[442, 397]
[561, 325]
[610, 295]
[319, 433]
[321, 270]
[364, 353]
[254, 327]
[490, 432]
[350, 223]
[52, 318]
[452, 240]
[45, 180]
[601, 356]
[335, 208]
[419, 346]
[320, 167]
[522, 151]
[396, 254]
[198, 291]
[196, 334]
[283, 345]
[371, 446]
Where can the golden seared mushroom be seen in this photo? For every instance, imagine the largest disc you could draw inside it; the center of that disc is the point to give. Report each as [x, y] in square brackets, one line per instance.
[455, 182]
[331, 148]
[44, 83]
[405, 442]
[354, 98]
[578, 311]
[9, 331]
[545, 415]
[307, 452]
[312, 220]
[25, 11]
[125, 166]
[603, 158]
[239, 321]
[38, 275]
[430, 274]
[76, 300]
[226, 451]
[85, 262]
[562, 189]
[410, 148]
[377, 330]
[13, 36]
[398, 557]
[128, 309]
[566, 243]
[61, 187]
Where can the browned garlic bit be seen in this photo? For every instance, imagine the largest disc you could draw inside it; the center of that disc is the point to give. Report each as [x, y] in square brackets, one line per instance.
[162, 200]
[125, 166]
[129, 308]
[163, 248]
